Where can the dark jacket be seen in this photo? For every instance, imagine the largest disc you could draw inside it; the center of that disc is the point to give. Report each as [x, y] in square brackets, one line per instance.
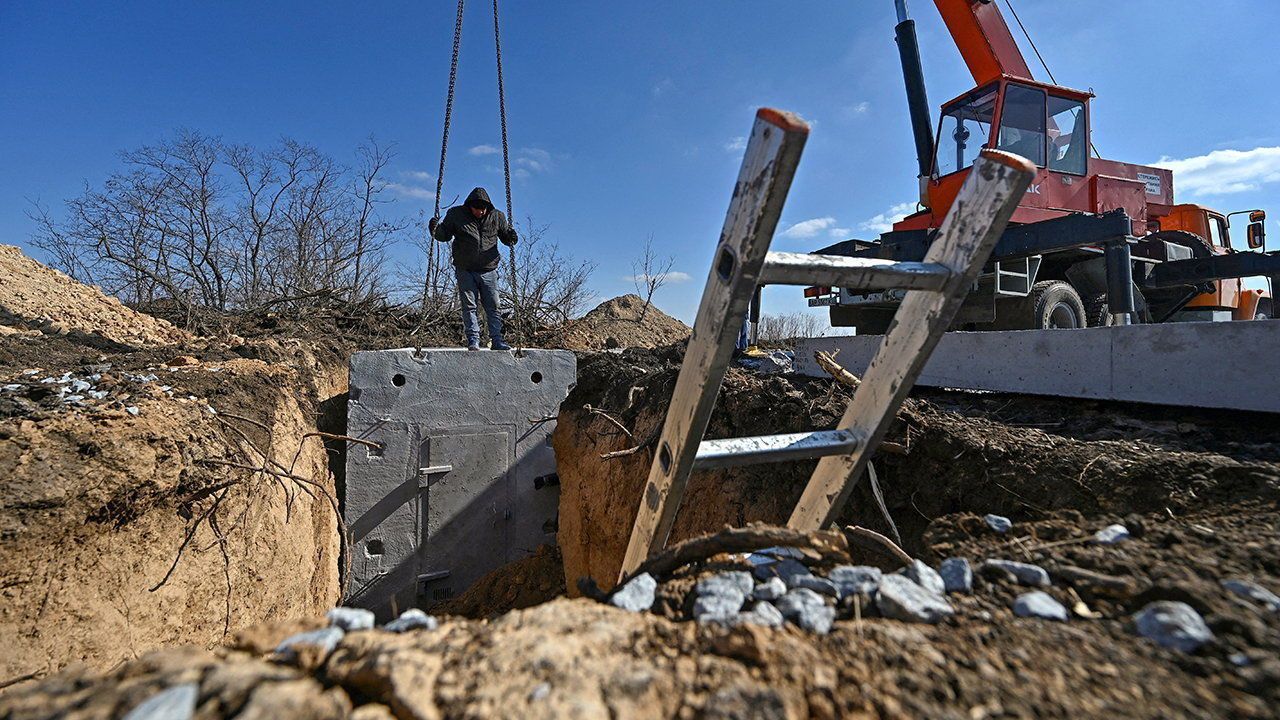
[475, 241]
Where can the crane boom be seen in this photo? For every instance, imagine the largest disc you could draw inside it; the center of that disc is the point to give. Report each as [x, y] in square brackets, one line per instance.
[984, 39]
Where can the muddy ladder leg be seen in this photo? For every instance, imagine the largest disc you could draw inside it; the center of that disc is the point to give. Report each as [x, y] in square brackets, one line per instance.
[772, 154]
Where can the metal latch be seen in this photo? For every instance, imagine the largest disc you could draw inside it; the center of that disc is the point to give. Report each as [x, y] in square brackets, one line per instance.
[428, 475]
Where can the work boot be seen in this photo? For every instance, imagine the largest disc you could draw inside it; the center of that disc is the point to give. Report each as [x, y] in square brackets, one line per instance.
[499, 345]
[473, 345]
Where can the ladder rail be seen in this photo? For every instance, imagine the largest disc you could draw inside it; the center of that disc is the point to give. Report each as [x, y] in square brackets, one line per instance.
[768, 167]
[788, 268]
[731, 452]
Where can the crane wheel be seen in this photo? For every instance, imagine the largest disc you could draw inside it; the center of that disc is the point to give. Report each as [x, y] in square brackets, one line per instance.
[1099, 315]
[1265, 309]
[1051, 305]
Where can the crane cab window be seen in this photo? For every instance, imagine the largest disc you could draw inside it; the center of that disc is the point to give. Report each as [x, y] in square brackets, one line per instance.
[1068, 136]
[1218, 232]
[965, 129]
[1022, 123]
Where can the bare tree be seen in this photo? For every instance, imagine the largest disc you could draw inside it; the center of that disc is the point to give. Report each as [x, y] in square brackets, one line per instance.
[550, 287]
[433, 280]
[783, 328]
[650, 272]
[206, 225]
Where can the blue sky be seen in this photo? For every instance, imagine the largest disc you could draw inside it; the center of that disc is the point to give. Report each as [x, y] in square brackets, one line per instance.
[626, 118]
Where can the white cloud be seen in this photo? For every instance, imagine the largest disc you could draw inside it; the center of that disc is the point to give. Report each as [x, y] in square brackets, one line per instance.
[673, 276]
[419, 175]
[534, 159]
[809, 228]
[857, 109]
[884, 221]
[1222, 172]
[839, 233]
[411, 191]
[737, 144]
[662, 87]
[484, 150]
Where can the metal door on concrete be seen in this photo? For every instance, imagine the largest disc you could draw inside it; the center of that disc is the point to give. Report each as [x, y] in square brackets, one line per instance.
[466, 510]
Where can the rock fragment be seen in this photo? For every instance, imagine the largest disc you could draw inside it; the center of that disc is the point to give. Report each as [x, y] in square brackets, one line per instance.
[998, 523]
[796, 600]
[786, 568]
[1111, 535]
[771, 589]
[957, 576]
[762, 613]
[637, 595]
[924, 576]
[855, 579]
[175, 703]
[412, 619]
[1039, 604]
[805, 608]
[902, 599]
[350, 619]
[718, 607]
[1172, 624]
[1255, 592]
[1024, 573]
[321, 642]
[717, 584]
[817, 584]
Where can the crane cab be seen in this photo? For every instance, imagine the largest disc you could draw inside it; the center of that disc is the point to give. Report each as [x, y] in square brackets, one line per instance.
[1050, 126]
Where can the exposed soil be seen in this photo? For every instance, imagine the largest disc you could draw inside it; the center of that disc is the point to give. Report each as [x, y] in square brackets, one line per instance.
[953, 453]
[623, 322]
[37, 298]
[529, 581]
[122, 526]
[97, 502]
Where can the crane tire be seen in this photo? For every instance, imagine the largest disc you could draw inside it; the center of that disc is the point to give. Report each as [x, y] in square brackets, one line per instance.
[1051, 304]
[1099, 315]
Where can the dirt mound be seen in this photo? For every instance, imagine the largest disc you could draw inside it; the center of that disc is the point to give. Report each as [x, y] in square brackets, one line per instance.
[36, 297]
[620, 323]
[582, 659]
[529, 581]
[136, 520]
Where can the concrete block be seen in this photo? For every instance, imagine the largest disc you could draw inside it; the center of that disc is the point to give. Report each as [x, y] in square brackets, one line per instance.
[465, 479]
[1179, 364]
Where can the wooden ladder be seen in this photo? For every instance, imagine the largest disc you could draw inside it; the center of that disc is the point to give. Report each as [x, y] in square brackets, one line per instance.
[743, 262]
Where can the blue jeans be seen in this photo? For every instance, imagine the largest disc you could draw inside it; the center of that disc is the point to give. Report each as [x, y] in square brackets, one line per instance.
[476, 286]
[744, 335]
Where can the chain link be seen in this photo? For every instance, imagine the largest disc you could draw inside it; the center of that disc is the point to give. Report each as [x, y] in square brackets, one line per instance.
[506, 151]
[448, 103]
[506, 171]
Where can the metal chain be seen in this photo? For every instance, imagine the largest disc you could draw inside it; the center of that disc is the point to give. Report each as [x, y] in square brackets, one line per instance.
[506, 170]
[448, 103]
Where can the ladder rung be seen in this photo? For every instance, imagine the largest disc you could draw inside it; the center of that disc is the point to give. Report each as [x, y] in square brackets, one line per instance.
[774, 448]
[787, 268]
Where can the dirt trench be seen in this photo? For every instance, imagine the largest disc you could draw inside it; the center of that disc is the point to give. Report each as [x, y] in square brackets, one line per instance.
[948, 453]
[137, 521]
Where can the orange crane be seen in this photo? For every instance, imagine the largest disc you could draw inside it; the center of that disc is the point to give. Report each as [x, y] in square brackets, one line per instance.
[1093, 241]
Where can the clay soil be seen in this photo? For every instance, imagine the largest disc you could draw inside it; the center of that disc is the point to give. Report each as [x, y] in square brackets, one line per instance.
[96, 502]
[134, 520]
[623, 322]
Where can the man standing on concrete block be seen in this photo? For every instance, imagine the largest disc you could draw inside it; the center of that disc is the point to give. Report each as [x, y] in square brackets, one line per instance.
[475, 227]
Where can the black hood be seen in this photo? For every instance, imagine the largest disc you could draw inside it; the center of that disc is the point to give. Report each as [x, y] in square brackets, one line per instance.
[479, 198]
